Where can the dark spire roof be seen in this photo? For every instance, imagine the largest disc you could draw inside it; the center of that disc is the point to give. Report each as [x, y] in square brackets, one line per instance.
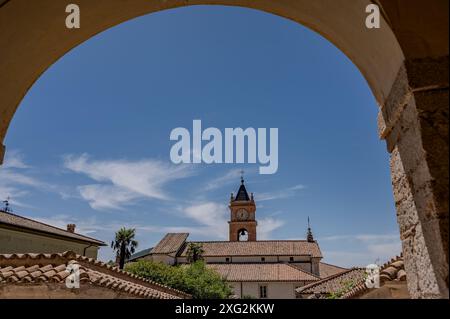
[242, 192]
[309, 235]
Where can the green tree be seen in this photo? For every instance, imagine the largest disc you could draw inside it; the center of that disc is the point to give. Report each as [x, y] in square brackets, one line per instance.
[195, 279]
[124, 244]
[194, 252]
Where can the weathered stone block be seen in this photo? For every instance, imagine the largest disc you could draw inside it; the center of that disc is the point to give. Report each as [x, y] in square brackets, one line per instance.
[397, 100]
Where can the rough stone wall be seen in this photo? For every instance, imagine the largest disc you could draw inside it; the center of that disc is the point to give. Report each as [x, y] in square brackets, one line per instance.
[414, 122]
[421, 281]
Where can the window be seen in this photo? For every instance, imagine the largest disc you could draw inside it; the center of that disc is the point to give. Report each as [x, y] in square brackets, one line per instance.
[291, 259]
[263, 291]
[263, 259]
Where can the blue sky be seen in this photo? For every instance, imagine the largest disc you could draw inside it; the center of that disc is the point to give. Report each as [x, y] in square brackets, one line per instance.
[90, 142]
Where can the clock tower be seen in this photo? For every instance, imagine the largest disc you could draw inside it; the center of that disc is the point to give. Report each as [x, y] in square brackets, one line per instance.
[242, 211]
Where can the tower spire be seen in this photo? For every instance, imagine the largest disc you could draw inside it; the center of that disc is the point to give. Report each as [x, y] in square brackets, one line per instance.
[309, 235]
[242, 194]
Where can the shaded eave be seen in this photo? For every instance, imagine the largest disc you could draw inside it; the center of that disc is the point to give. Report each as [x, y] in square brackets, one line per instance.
[88, 240]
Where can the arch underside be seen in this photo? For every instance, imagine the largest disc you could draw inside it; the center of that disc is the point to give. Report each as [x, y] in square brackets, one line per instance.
[406, 71]
[39, 37]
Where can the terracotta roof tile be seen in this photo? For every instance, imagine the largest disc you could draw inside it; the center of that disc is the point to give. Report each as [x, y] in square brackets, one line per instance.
[140, 254]
[327, 270]
[259, 248]
[334, 283]
[390, 271]
[242, 194]
[170, 244]
[261, 272]
[26, 268]
[393, 270]
[7, 218]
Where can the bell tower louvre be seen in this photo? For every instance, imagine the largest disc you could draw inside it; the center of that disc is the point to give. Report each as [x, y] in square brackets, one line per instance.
[242, 215]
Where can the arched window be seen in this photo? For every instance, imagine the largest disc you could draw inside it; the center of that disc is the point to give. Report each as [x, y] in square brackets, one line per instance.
[243, 235]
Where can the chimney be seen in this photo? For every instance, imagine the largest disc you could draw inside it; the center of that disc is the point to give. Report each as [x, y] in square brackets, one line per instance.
[71, 228]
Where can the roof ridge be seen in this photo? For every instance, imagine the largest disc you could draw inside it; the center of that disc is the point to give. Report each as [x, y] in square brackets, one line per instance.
[116, 270]
[301, 270]
[48, 225]
[299, 290]
[361, 287]
[277, 269]
[68, 256]
[328, 264]
[256, 241]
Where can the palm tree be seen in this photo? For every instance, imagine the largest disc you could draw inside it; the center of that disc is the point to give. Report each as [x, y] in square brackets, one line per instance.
[195, 252]
[124, 244]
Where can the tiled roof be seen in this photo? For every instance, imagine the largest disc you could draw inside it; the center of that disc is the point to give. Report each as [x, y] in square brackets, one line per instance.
[393, 270]
[261, 272]
[9, 219]
[40, 268]
[140, 254]
[259, 248]
[334, 283]
[242, 194]
[327, 270]
[170, 244]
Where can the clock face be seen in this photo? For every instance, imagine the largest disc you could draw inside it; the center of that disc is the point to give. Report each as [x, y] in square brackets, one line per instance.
[242, 214]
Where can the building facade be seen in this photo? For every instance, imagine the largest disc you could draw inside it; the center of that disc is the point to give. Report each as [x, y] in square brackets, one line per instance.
[23, 235]
[254, 268]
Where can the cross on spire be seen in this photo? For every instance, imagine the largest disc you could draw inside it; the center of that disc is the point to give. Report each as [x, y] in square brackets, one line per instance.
[242, 194]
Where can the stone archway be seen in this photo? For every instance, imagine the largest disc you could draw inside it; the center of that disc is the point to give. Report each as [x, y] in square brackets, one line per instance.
[405, 64]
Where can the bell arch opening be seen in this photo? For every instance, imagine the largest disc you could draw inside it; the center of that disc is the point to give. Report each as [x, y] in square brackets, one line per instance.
[242, 235]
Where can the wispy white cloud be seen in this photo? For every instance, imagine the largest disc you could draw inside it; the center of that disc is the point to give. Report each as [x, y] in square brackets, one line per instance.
[101, 197]
[211, 217]
[84, 226]
[230, 176]
[15, 179]
[211, 222]
[267, 225]
[361, 237]
[385, 250]
[14, 195]
[8, 176]
[365, 249]
[122, 181]
[280, 194]
[14, 159]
